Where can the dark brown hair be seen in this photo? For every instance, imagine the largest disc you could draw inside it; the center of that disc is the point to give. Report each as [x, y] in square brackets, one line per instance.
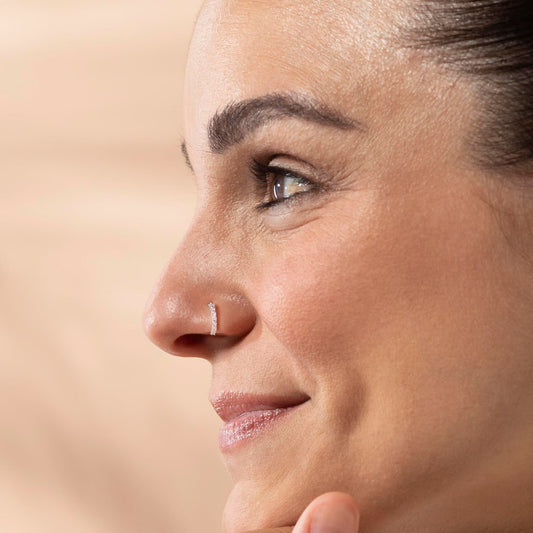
[491, 42]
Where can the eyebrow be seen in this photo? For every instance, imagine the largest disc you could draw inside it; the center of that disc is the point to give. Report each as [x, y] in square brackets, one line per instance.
[237, 120]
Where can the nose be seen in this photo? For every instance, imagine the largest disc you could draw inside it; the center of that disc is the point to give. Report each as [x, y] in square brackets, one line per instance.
[178, 317]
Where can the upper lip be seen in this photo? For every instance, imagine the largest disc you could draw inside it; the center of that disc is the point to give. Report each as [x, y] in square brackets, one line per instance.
[229, 405]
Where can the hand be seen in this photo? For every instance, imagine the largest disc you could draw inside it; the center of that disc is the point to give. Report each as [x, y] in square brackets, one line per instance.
[333, 512]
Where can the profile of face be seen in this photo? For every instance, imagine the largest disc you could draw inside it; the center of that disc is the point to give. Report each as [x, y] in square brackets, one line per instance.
[373, 294]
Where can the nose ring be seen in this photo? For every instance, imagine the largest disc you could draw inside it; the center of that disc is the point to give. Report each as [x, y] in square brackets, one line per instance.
[214, 318]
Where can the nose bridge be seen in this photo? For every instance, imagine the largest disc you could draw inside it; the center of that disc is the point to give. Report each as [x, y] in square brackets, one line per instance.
[202, 270]
[186, 285]
[197, 248]
[205, 254]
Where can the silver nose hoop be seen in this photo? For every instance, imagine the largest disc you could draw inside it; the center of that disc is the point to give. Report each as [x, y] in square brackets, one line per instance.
[214, 318]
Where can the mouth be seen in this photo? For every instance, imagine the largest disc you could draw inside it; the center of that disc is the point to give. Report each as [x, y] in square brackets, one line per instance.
[247, 416]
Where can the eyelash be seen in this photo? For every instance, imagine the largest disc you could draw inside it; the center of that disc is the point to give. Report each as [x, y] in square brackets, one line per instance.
[262, 172]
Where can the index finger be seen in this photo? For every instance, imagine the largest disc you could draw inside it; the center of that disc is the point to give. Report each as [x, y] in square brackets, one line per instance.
[276, 530]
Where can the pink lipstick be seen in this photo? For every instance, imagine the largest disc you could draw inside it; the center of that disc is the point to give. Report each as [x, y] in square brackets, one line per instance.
[246, 416]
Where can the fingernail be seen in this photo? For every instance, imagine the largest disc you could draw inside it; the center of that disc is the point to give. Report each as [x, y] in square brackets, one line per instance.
[333, 519]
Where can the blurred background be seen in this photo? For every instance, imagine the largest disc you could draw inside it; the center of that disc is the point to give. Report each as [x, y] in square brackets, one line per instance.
[99, 431]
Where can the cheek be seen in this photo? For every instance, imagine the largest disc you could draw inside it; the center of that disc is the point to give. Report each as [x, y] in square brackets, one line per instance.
[330, 284]
[319, 298]
[307, 295]
[384, 308]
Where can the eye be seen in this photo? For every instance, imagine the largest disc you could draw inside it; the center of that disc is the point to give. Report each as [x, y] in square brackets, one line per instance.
[280, 184]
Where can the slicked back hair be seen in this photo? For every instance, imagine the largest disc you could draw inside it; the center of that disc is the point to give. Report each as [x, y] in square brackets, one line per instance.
[491, 42]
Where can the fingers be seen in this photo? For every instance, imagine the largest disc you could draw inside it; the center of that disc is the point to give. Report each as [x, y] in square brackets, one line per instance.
[277, 530]
[333, 512]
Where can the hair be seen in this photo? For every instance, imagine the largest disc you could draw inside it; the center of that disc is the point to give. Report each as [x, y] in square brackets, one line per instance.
[491, 43]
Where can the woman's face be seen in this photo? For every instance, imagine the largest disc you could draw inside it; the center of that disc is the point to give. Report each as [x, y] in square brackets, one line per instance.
[366, 273]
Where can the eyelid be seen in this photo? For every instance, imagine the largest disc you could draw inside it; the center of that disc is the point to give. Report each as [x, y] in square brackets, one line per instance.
[259, 170]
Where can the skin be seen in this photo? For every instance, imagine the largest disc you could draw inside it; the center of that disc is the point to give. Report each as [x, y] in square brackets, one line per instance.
[398, 296]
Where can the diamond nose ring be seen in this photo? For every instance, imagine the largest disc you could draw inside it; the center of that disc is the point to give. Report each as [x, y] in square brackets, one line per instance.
[214, 318]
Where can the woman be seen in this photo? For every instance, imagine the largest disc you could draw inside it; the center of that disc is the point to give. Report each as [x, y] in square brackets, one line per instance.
[360, 268]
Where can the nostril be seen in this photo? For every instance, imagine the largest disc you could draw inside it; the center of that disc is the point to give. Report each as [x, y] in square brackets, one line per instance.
[189, 342]
[202, 345]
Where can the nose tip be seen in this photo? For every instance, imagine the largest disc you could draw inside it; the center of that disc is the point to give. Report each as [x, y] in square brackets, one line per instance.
[181, 323]
[175, 327]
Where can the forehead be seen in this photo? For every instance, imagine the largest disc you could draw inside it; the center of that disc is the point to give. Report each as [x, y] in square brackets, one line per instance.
[247, 48]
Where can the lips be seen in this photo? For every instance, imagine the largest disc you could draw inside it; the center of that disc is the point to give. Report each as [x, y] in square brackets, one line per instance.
[246, 416]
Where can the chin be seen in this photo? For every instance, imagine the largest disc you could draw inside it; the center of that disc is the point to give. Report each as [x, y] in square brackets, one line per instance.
[239, 515]
[248, 509]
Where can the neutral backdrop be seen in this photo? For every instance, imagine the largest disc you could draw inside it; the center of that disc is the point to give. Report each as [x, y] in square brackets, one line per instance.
[99, 431]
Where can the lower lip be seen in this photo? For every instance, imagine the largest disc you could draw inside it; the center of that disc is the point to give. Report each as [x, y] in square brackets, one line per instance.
[250, 425]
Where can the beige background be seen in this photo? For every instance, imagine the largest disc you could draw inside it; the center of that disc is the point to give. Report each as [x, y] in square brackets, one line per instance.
[99, 431]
